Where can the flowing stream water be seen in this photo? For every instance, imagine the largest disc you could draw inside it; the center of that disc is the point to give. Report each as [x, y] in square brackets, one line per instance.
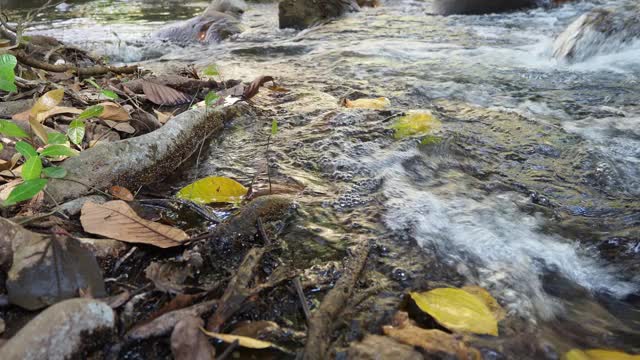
[532, 190]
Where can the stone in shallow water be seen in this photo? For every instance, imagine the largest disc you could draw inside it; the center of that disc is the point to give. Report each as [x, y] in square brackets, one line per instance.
[67, 329]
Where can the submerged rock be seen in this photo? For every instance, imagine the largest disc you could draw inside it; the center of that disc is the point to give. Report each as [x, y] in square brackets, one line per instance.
[597, 32]
[301, 14]
[68, 329]
[451, 7]
[218, 22]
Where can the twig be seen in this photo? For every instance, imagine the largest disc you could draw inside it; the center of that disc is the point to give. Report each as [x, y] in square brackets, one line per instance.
[321, 321]
[262, 232]
[225, 354]
[303, 299]
[237, 290]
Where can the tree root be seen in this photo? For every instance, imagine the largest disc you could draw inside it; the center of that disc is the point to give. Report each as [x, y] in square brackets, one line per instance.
[95, 70]
[141, 160]
[321, 322]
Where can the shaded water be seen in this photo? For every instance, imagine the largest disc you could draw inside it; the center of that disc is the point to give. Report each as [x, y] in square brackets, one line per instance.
[532, 192]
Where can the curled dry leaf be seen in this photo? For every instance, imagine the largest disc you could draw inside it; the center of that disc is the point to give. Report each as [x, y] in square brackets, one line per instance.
[189, 343]
[124, 127]
[121, 193]
[115, 219]
[113, 111]
[252, 90]
[164, 95]
[434, 340]
[163, 117]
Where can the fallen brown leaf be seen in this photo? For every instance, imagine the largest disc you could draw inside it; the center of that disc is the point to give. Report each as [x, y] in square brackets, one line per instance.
[432, 340]
[115, 219]
[189, 343]
[121, 193]
[252, 90]
[113, 111]
[164, 95]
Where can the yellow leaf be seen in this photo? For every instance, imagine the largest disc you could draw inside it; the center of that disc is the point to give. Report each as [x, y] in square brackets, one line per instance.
[243, 341]
[482, 294]
[457, 310]
[213, 189]
[416, 123]
[375, 104]
[598, 354]
[47, 102]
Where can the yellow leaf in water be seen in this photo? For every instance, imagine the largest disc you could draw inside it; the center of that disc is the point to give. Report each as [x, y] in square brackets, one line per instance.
[482, 294]
[598, 354]
[213, 189]
[243, 341]
[457, 310]
[47, 102]
[375, 104]
[416, 123]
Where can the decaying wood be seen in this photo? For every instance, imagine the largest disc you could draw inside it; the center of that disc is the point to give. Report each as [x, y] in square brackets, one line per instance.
[321, 322]
[95, 70]
[141, 160]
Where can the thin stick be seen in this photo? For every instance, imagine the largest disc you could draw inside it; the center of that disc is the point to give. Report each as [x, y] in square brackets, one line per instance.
[303, 300]
[225, 354]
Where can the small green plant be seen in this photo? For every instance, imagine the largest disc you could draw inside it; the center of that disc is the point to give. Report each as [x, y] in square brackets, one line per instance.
[32, 170]
[274, 131]
[211, 70]
[8, 63]
[56, 146]
[211, 98]
[106, 93]
[76, 129]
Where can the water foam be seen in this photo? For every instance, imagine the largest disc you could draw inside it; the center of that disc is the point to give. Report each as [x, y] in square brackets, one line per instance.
[490, 240]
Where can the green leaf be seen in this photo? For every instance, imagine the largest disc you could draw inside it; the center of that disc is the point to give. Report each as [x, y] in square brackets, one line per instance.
[58, 150]
[32, 168]
[213, 189]
[416, 123]
[1, 147]
[93, 111]
[274, 127]
[56, 138]
[26, 150]
[8, 63]
[211, 70]
[25, 191]
[55, 172]
[90, 81]
[76, 131]
[211, 98]
[8, 128]
[109, 94]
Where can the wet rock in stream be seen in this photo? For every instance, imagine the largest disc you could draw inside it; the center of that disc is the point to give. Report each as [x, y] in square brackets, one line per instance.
[68, 329]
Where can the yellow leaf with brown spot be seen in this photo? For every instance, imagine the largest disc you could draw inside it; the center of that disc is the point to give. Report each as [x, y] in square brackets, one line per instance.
[213, 189]
[457, 310]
